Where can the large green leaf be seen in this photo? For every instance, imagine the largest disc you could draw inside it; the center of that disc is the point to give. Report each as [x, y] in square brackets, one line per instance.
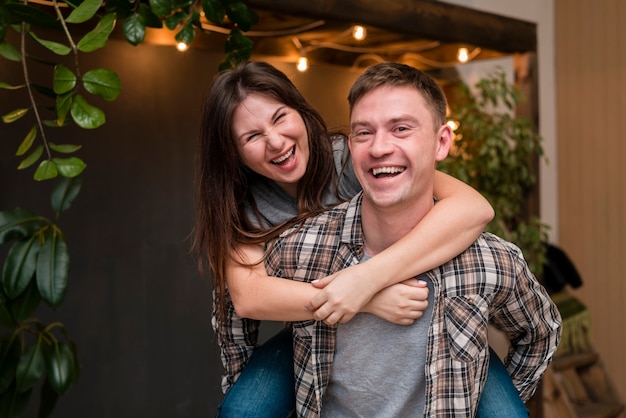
[19, 266]
[134, 29]
[53, 265]
[18, 13]
[161, 8]
[186, 34]
[239, 49]
[64, 79]
[55, 47]
[174, 20]
[30, 367]
[60, 366]
[102, 82]
[241, 14]
[98, 37]
[214, 11]
[69, 167]
[47, 170]
[18, 223]
[84, 12]
[85, 115]
[64, 193]
[150, 19]
[9, 52]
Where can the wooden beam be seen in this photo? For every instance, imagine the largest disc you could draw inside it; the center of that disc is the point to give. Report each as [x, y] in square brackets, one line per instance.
[434, 20]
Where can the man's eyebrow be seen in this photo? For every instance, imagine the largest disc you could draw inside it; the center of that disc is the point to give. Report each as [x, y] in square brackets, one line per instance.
[402, 118]
[359, 123]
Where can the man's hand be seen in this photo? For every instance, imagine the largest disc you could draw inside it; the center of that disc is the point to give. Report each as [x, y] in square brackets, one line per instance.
[400, 303]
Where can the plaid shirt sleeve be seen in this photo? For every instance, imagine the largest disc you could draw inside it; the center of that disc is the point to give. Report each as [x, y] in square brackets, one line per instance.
[237, 339]
[533, 323]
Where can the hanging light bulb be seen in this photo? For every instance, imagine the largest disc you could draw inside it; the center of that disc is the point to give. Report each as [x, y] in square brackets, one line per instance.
[359, 32]
[303, 64]
[462, 55]
[182, 47]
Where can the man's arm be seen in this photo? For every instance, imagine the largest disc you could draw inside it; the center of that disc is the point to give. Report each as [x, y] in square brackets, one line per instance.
[533, 324]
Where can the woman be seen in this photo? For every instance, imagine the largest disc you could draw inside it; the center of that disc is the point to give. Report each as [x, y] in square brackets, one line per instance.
[265, 156]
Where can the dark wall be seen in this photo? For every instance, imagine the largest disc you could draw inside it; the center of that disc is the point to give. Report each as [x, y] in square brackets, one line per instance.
[136, 306]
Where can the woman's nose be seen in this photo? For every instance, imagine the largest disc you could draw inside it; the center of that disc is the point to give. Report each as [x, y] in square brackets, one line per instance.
[274, 139]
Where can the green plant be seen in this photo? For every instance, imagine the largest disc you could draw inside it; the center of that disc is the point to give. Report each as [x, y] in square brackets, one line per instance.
[36, 266]
[493, 151]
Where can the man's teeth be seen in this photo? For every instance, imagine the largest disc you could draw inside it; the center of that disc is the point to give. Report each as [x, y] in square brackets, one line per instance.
[387, 170]
[284, 157]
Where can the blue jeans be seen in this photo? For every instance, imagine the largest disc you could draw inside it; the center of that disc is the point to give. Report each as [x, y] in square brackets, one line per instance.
[499, 397]
[265, 388]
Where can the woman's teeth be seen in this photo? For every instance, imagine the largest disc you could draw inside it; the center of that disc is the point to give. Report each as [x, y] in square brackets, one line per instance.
[284, 157]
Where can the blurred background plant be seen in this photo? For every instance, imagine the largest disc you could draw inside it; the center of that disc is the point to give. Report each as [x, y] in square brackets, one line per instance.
[37, 262]
[495, 151]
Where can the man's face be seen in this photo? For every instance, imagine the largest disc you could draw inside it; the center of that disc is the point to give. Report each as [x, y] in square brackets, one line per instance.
[395, 146]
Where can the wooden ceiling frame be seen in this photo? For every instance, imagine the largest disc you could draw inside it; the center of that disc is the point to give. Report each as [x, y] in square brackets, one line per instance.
[433, 20]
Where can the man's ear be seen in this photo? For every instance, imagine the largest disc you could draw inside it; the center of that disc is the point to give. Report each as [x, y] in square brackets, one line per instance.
[444, 140]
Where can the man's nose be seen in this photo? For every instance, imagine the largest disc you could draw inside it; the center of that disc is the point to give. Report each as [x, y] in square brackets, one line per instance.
[380, 144]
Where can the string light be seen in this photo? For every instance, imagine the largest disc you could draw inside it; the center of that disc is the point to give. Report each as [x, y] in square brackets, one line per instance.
[462, 55]
[359, 32]
[303, 64]
[182, 47]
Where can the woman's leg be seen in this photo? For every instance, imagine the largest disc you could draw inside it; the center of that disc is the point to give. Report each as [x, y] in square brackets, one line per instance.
[500, 398]
[265, 388]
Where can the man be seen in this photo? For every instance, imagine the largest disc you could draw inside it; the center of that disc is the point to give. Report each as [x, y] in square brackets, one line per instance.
[438, 365]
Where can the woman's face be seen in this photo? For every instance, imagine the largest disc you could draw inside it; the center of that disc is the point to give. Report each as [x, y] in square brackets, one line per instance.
[272, 140]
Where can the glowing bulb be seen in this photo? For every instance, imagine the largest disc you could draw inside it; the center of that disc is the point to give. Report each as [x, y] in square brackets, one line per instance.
[359, 32]
[462, 55]
[453, 124]
[181, 46]
[303, 64]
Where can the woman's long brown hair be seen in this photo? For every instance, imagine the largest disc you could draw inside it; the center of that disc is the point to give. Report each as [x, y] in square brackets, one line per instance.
[223, 183]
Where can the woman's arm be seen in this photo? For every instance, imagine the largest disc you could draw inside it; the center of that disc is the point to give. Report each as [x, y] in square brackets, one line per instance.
[448, 229]
[256, 295]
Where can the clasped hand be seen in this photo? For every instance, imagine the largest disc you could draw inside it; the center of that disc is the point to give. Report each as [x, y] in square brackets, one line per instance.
[350, 291]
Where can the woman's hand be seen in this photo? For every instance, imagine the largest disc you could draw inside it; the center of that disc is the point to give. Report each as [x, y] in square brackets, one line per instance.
[352, 290]
[342, 295]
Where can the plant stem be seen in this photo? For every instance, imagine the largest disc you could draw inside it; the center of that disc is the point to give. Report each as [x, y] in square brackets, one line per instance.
[57, 9]
[31, 97]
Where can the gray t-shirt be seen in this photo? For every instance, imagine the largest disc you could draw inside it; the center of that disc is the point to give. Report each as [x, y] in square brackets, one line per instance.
[276, 206]
[379, 367]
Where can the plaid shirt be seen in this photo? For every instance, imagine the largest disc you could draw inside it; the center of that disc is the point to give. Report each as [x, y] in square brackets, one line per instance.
[490, 281]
